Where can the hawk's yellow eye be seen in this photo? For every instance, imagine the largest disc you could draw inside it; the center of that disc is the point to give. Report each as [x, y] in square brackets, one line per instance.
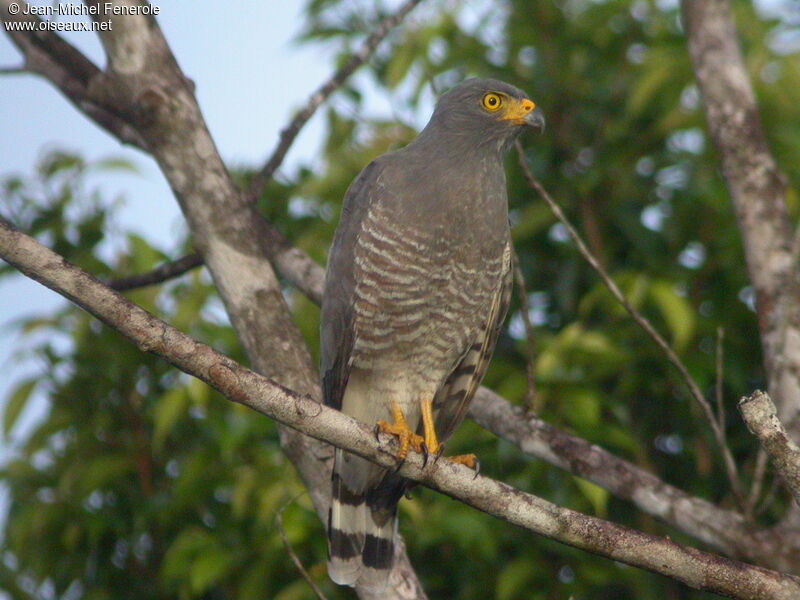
[492, 101]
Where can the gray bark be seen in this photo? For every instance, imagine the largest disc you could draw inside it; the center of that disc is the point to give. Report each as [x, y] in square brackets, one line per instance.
[758, 193]
[758, 412]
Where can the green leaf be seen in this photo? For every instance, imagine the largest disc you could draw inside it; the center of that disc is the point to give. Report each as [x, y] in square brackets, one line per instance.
[170, 407]
[114, 164]
[514, 576]
[582, 407]
[594, 494]
[676, 310]
[209, 568]
[16, 403]
[199, 392]
[179, 557]
[245, 483]
[57, 161]
[102, 471]
[254, 581]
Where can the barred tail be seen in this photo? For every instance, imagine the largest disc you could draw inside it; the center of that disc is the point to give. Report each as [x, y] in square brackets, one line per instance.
[361, 528]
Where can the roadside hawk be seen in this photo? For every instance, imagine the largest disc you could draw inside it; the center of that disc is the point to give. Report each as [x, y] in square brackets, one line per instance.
[417, 287]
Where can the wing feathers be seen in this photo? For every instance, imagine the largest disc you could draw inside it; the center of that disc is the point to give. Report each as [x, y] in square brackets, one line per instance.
[455, 395]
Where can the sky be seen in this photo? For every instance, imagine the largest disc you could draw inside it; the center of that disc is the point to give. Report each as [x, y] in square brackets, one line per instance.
[250, 76]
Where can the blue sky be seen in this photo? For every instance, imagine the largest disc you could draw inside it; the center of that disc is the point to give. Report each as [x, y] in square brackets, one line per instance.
[249, 78]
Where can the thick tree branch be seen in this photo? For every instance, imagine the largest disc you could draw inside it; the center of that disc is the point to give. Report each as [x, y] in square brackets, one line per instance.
[47, 54]
[759, 414]
[290, 132]
[692, 567]
[722, 529]
[757, 189]
[694, 390]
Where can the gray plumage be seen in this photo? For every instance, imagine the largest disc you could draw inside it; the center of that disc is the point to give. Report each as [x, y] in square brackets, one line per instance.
[417, 287]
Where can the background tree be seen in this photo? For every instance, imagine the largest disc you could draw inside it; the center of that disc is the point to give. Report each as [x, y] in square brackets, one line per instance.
[142, 482]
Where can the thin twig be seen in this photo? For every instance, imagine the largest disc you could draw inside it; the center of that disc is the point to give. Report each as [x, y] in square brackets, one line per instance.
[531, 396]
[290, 132]
[760, 416]
[13, 70]
[159, 274]
[720, 372]
[292, 555]
[644, 323]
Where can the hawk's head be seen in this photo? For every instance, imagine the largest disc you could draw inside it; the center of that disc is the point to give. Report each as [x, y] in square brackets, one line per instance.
[487, 108]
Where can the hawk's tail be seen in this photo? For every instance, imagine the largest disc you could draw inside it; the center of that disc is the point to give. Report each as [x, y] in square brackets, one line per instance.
[361, 528]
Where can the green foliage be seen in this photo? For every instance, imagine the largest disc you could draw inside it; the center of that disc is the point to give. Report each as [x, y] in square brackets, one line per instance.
[141, 483]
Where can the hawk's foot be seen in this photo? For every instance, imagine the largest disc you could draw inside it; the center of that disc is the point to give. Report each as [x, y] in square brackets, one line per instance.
[399, 428]
[432, 446]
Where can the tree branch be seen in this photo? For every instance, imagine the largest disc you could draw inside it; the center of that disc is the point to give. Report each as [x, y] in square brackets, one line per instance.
[290, 132]
[49, 55]
[296, 559]
[759, 414]
[160, 274]
[694, 390]
[14, 71]
[294, 265]
[692, 567]
[725, 530]
[757, 189]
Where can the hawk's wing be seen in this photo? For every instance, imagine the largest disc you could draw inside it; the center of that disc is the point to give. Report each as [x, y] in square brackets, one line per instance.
[336, 318]
[454, 397]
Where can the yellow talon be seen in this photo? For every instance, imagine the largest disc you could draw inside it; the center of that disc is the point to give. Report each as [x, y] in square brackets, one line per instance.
[399, 428]
[469, 460]
[425, 444]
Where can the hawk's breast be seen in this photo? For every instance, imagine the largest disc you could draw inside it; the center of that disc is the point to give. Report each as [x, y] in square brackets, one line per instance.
[422, 291]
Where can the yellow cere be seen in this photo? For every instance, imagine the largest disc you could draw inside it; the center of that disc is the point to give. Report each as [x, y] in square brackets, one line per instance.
[517, 110]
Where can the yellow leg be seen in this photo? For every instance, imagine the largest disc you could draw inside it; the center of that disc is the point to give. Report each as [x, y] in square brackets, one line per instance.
[431, 441]
[428, 431]
[399, 428]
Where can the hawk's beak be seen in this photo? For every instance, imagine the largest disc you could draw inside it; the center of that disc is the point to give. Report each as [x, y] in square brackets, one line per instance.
[535, 119]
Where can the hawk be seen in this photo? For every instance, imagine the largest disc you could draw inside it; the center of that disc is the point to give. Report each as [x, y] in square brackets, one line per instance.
[417, 287]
